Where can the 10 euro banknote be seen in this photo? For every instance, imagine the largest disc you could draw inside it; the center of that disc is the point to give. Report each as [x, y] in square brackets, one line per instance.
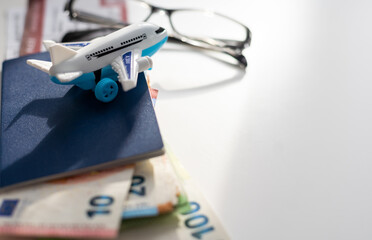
[88, 206]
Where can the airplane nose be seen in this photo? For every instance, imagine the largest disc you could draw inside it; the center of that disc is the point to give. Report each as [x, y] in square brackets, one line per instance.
[159, 30]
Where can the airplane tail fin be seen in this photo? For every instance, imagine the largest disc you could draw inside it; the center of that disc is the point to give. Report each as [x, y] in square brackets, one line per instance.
[48, 43]
[60, 53]
[41, 65]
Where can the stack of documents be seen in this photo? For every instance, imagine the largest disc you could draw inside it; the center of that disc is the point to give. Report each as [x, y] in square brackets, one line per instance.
[54, 195]
[152, 199]
[140, 198]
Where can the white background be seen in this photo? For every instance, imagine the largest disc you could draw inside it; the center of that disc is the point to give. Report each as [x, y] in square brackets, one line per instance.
[283, 150]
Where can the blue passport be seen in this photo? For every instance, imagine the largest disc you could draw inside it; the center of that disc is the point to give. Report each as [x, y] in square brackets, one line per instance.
[50, 131]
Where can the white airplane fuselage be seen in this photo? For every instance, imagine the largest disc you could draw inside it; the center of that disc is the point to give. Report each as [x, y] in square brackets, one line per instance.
[102, 51]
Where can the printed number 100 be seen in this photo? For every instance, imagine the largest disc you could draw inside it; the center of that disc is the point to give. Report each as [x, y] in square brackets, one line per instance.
[197, 220]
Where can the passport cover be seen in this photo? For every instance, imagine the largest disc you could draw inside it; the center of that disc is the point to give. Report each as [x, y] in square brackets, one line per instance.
[50, 130]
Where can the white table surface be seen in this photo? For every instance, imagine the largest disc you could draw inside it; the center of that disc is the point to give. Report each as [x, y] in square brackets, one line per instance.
[282, 151]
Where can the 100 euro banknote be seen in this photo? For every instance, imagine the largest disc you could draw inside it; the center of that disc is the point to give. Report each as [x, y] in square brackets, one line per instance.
[88, 205]
[195, 220]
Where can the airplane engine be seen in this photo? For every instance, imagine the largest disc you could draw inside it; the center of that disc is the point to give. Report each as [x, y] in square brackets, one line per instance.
[144, 63]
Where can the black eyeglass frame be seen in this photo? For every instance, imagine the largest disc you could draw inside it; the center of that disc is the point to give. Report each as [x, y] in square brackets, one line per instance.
[234, 48]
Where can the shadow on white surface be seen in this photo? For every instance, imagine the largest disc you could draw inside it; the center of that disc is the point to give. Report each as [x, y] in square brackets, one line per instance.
[189, 71]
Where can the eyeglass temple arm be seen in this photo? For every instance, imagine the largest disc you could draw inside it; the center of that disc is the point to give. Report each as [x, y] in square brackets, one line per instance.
[238, 56]
[236, 45]
[91, 18]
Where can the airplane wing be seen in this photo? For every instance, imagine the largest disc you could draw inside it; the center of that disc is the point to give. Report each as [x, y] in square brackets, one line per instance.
[68, 77]
[75, 45]
[128, 65]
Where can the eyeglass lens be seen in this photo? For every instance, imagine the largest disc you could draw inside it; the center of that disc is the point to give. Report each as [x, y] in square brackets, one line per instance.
[206, 24]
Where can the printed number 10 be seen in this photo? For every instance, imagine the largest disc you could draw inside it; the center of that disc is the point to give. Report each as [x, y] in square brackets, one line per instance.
[100, 204]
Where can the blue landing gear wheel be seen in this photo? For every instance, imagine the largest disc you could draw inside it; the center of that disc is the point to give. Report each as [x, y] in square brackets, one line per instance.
[106, 90]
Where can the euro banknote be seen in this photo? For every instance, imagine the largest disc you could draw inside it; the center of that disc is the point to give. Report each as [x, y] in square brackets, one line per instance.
[83, 206]
[195, 220]
[155, 189]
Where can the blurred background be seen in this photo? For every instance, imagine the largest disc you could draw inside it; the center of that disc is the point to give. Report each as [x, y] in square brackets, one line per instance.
[281, 148]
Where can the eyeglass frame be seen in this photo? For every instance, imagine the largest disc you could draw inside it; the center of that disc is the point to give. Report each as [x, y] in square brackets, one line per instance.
[233, 48]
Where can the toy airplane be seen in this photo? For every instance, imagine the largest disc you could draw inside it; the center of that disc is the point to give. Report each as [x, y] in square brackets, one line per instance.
[97, 64]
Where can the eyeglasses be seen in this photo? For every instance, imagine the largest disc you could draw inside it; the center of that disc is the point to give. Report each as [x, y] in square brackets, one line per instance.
[206, 30]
